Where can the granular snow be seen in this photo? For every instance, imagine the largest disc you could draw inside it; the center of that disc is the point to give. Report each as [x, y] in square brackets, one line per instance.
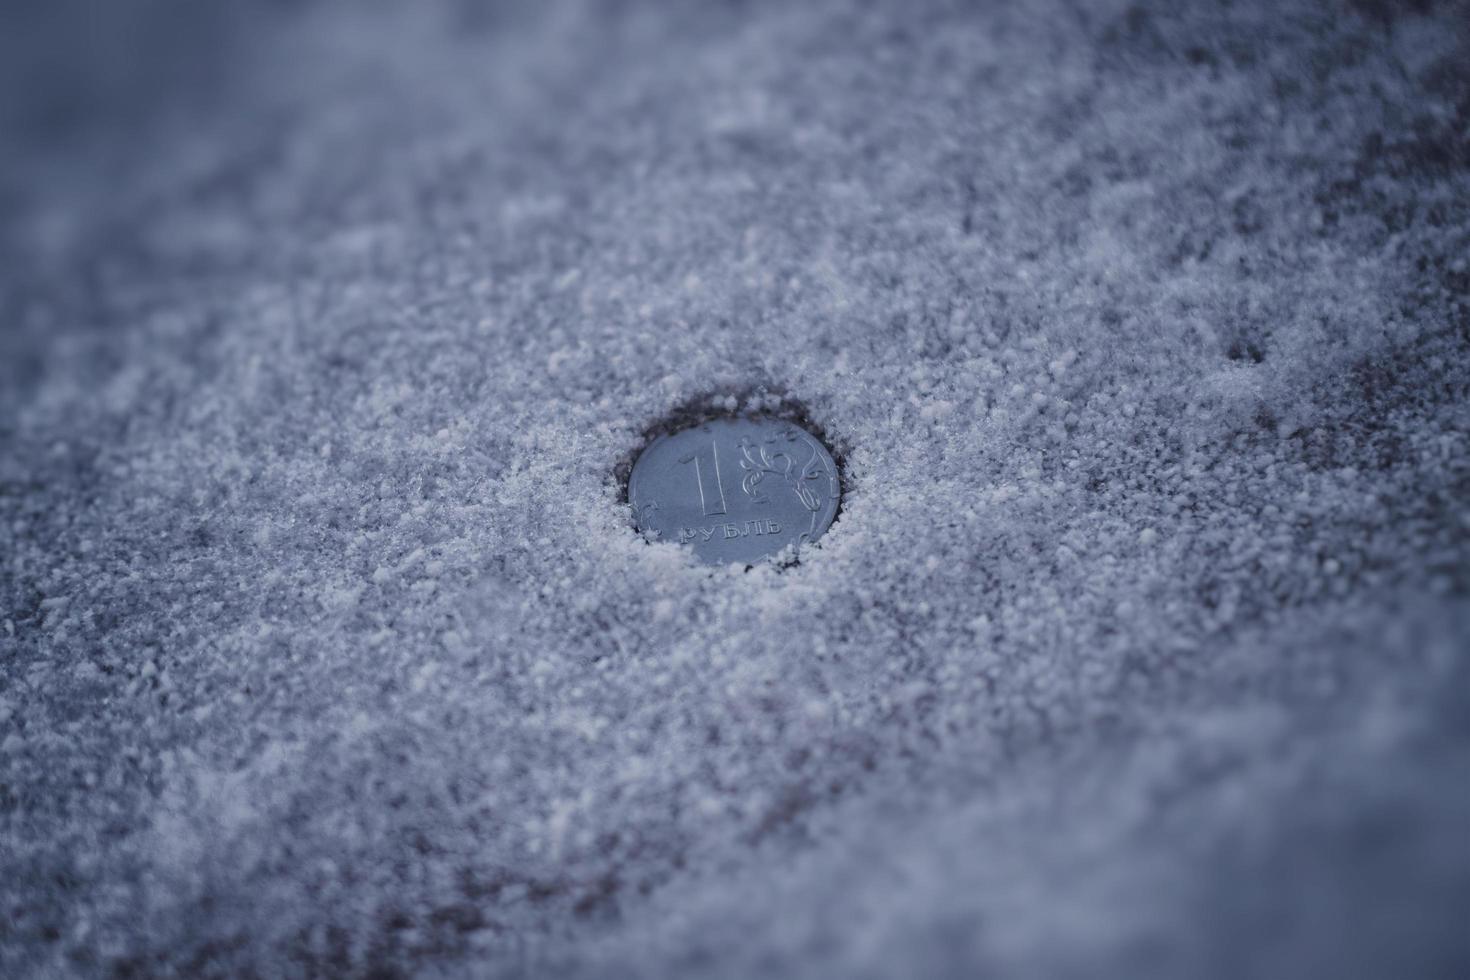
[1138, 648]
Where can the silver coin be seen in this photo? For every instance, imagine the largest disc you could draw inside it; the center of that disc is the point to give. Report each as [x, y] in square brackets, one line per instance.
[735, 489]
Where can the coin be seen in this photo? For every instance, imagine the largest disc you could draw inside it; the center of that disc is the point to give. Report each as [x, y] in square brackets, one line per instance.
[735, 489]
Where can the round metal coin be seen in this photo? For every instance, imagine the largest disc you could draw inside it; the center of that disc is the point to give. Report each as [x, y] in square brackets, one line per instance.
[735, 489]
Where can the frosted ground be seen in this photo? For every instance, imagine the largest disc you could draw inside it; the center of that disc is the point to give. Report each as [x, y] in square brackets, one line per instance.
[1138, 648]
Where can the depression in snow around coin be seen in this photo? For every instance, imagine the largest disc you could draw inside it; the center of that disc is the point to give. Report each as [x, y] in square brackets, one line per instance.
[735, 489]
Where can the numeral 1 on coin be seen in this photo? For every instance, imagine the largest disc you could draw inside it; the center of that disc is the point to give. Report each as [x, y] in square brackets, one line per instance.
[707, 472]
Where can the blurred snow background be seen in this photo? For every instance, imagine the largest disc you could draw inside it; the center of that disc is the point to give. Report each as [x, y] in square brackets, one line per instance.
[1138, 649]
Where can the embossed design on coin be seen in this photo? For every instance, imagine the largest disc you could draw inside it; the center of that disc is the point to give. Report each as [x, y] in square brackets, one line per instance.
[735, 489]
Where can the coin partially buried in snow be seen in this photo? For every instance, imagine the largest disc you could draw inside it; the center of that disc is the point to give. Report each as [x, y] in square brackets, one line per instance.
[735, 489]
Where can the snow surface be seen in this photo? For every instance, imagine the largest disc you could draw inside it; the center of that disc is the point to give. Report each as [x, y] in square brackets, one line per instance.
[1138, 648]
